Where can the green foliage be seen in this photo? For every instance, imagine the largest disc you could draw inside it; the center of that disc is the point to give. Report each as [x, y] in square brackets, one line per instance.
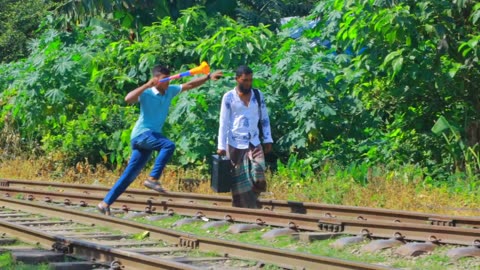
[411, 63]
[68, 95]
[370, 95]
[308, 106]
[128, 12]
[97, 135]
[167, 42]
[234, 44]
[49, 96]
[18, 21]
[193, 122]
[5, 259]
[463, 157]
[136, 14]
[299, 172]
[270, 12]
[181, 45]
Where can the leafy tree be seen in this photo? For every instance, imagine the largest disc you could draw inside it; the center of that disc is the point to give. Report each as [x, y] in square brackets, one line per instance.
[136, 14]
[363, 84]
[53, 85]
[268, 12]
[409, 70]
[18, 22]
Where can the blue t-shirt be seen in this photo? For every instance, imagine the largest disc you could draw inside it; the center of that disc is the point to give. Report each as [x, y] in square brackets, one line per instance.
[154, 109]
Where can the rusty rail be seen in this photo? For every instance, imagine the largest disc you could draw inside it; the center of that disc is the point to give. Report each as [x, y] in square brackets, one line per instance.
[317, 209]
[374, 228]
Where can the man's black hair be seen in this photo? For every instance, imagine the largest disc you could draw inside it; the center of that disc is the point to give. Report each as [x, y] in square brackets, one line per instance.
[157, 70]
[243, 70]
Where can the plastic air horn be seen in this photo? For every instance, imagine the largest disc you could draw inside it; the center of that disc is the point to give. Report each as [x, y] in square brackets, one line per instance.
[204, 68]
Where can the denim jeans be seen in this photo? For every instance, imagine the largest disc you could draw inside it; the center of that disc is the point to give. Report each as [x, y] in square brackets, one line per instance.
[142, 147]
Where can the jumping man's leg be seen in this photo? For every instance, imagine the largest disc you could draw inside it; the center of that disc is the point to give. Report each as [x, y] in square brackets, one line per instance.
[165, 149]
[137, 161]
[165, 152]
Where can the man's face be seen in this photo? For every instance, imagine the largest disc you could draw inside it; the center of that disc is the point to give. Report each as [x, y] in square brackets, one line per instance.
[244, 82]
[162, 86]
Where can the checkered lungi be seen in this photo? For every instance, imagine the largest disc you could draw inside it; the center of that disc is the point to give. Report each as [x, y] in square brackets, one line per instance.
[248, 175]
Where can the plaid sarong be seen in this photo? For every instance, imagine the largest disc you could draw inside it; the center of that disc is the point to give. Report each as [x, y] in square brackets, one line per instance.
[248, 175]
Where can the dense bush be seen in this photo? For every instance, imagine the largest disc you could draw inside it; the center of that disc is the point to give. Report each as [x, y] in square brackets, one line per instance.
[365, 85]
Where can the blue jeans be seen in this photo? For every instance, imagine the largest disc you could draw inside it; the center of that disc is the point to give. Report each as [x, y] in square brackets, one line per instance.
[142, 147]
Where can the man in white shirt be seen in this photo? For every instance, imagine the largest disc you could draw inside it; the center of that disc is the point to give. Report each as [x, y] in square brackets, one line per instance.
[242, 112]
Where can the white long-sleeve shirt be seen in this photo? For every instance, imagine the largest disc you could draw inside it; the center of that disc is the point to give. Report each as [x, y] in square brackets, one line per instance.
[238, 123]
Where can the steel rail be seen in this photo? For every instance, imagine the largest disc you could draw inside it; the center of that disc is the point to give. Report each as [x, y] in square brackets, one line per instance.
[415, 232]
[375, 228]
[235, 249]
[326, 210]
[88, 250]
[260, 216]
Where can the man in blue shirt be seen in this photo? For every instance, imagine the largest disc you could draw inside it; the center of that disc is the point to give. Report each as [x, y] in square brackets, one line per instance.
[155, 98]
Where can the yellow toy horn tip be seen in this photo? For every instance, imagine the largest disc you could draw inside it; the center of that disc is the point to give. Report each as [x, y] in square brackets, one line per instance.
[204, 68]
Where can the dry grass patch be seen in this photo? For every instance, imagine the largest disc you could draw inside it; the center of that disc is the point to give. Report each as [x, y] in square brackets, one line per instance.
[391, 190]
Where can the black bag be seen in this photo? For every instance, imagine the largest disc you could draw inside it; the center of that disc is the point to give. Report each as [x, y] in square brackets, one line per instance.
[221, 180]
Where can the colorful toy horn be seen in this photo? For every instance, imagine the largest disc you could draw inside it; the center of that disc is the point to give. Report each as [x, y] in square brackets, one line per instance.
[204, 68]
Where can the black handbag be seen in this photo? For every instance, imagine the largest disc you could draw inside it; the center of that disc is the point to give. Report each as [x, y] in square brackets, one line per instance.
[221, 180]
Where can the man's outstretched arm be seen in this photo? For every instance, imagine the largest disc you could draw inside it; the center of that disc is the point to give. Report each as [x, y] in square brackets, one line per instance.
[199, 81]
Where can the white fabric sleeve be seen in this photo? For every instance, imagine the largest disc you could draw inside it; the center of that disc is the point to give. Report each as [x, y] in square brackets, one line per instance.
[224, 124]
[265, 121]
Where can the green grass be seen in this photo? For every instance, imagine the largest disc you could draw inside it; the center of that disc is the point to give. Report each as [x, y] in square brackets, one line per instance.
[7, 263]
[5, 259]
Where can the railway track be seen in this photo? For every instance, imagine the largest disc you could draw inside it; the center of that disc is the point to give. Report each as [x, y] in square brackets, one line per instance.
[40, 231]
[330, 218]
[410, 232]
[317, 209]
[93, 246]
